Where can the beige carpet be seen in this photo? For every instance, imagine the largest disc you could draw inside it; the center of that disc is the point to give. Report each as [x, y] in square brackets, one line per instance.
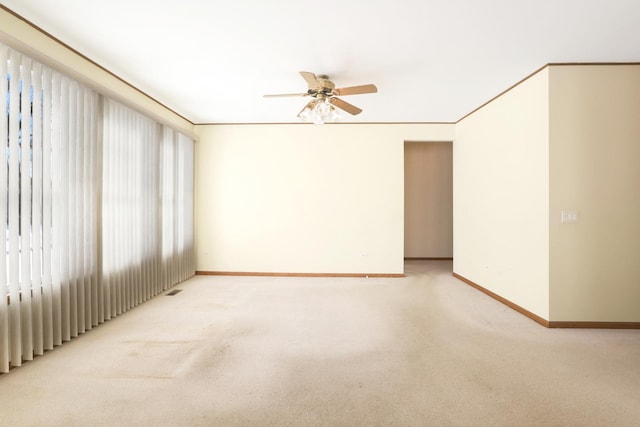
[427, 350]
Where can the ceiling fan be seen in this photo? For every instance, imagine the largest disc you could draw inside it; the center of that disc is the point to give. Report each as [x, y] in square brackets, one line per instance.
[325, 94]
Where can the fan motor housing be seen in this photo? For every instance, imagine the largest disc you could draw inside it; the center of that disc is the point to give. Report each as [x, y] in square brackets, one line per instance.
[326, 83]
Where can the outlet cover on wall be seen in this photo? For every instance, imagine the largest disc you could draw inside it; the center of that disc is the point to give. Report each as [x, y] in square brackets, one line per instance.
[568, 217]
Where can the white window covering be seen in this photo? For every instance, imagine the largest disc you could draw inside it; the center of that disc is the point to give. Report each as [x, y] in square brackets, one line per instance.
[178, 258]
[129, 207]
[49, 186]
[96, 202]
[147, 208]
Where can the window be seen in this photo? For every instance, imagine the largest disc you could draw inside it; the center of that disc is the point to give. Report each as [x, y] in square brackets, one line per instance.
[85, 195]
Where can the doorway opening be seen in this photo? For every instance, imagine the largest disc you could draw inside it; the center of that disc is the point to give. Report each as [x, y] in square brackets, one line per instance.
[428, 200]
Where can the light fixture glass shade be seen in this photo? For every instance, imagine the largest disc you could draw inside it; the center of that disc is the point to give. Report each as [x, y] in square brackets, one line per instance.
[321, 113]
[305, 114]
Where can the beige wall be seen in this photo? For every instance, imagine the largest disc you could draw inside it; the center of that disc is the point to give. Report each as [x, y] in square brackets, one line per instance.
[595, 170]
[428, 200]
[303, 198]
[501, 193]
[24, 38]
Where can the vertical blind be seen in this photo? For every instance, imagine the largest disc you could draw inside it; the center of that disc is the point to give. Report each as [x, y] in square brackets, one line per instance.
[96, 202]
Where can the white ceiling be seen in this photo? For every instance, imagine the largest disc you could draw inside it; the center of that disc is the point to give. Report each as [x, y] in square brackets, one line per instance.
[432, 60]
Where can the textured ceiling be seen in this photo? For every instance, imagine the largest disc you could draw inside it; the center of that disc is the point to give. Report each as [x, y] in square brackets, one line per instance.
[433, 61]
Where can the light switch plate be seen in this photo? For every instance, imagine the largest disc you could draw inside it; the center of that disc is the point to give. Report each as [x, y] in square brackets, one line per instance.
[568, 217]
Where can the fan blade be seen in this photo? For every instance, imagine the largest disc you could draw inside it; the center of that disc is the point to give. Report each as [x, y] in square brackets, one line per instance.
[309, 105]
[343, 105]
[311, 80]
[355, 90]
[282, 95]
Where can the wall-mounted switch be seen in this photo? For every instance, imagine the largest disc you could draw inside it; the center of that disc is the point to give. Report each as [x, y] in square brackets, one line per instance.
[568, 216]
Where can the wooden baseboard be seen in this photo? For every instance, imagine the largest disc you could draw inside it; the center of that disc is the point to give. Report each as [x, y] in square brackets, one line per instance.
[504, 301]
[261, 274]
[547, 323]
[428, 258]
[595, 325]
